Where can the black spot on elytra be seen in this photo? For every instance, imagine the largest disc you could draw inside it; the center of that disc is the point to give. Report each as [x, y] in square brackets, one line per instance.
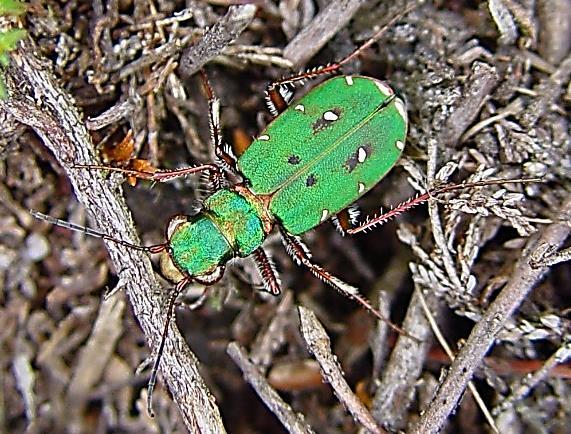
[293, 160]
[353, 159]
[311, 180]
[322, 123]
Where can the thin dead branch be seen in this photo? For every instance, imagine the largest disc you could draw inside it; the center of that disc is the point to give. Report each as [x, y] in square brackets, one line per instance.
[487, 329]
[321, 29]
[319, 345]
[216, 39]
[395, 391]
[531, 380]
[292, 421]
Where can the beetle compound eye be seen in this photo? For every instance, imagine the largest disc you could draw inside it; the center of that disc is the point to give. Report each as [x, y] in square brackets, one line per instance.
[168, 268]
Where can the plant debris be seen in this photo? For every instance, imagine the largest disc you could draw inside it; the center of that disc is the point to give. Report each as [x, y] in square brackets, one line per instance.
[487, 86]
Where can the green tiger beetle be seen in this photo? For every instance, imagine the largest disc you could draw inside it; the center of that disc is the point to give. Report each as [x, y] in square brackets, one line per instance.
[313, 160]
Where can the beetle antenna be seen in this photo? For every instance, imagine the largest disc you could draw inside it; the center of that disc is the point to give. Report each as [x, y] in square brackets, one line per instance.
[411, 203]
[95, 233]
[377, 35]
[277, 103]
[155, 371]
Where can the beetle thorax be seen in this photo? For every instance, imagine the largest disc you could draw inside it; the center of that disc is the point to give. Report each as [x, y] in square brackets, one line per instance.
[231, 224]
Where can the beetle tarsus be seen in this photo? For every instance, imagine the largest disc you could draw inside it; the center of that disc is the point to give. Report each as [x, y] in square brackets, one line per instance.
[346, 219]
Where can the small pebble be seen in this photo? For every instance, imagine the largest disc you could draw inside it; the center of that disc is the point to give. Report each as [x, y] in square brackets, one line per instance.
[37, 247]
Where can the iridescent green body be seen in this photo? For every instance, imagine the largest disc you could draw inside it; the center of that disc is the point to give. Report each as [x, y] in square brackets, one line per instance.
[229, 225]
[312, 161]
[198, 246]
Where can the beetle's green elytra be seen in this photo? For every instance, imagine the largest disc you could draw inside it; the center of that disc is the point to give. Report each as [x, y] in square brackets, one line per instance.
[326, 150]
[327, 122]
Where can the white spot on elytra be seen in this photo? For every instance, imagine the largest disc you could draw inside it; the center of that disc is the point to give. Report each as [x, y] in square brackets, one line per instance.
[324, 215]
[264, 137]
[300, 107]
[349, 80]
[384, 88]
[361, 155]
[400, 145]
[330, 116]
[361, 187]
[399, 105]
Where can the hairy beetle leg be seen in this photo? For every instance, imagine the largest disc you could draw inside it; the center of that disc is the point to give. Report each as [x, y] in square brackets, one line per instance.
[279, 93]
[221, 149]
[268, 272]
[301, 256]
[162, 175]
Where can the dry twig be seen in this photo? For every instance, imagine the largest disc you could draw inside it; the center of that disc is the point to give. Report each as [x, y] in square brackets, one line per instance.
[292, 421]
[57, 121]
[320, 346]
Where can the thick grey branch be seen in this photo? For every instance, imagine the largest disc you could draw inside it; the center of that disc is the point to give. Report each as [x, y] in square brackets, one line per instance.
[38, 101]
[323, 27]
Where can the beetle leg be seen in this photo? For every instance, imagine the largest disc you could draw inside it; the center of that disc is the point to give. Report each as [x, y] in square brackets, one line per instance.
[222, 150]
[268, 271]
[377, 220]
[214, 173]
[346, 219]
[278, 97]
[301, 255]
